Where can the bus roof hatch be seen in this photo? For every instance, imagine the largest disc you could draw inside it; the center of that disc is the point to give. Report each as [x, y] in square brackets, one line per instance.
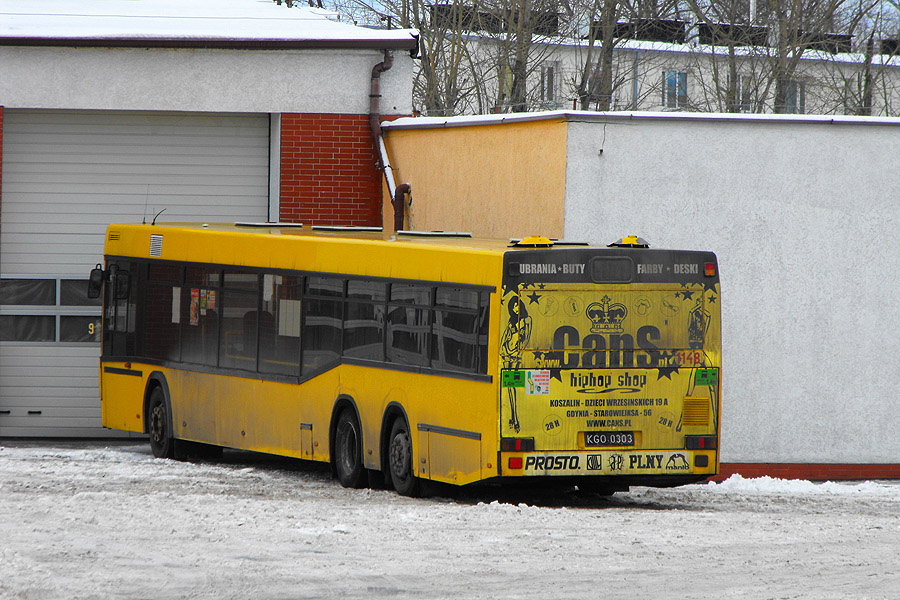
[630, 241]
[532, 241]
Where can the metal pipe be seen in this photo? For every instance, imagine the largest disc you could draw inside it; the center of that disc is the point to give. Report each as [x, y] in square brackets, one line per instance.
[397, 192]
[399, 204]
[375, 94]
[386, 166]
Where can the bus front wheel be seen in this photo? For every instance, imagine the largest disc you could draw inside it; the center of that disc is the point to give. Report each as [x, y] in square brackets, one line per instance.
[348, 451]
[162, 444]
[400, 460]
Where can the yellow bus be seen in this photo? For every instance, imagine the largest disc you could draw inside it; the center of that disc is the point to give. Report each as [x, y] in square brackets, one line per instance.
[409, 357]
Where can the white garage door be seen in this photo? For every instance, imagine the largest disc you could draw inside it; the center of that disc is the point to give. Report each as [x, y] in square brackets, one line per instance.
[66, 175]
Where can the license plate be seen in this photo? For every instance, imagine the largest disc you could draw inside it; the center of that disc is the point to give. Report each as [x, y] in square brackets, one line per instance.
[595, 439]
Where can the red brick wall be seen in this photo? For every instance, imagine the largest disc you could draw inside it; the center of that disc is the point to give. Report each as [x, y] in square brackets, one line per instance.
[328, 170]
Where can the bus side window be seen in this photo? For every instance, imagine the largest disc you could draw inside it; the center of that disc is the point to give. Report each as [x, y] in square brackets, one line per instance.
[279, 325]
[323, 305]
[162, 317]
[454, 339]
[240, 321]
[364, 315]
[409, 324]
[199, 316]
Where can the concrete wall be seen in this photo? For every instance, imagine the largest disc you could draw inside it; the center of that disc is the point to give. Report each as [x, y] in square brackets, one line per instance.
[803, 215]
[490, 179]
[272, 81]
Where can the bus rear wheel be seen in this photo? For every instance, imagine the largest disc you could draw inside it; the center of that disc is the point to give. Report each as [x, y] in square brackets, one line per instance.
[348, 451]
[400, 460]
[162, 444]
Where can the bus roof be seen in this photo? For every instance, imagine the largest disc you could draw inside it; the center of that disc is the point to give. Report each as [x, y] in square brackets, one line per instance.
[360, 252]
[427, 238]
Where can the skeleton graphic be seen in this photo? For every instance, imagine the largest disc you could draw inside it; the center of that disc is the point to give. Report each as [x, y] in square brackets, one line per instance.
[515, 339]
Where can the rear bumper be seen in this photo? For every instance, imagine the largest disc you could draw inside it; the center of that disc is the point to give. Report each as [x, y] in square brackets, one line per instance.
[645, 464]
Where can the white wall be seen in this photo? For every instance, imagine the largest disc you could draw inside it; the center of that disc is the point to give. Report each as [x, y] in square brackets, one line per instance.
[805, 219]
[272, 81]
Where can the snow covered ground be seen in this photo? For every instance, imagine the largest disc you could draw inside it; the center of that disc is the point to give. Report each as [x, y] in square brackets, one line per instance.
[105, 520]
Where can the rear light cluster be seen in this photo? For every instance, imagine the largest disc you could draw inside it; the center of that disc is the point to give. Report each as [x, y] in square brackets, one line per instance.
[517, 444]
[709, 269]
[701, 442]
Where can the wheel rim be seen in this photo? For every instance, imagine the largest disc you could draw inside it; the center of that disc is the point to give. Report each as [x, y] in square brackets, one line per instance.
[348, 447]
[157, 424]
[401, 456]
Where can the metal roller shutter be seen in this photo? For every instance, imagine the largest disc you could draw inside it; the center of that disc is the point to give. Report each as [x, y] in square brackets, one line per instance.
[66, 176]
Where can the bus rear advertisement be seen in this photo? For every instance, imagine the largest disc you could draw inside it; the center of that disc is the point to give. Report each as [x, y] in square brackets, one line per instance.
[610, 363]
[403, 358]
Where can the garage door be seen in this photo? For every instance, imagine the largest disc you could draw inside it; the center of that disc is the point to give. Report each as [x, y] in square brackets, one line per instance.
[66, 175]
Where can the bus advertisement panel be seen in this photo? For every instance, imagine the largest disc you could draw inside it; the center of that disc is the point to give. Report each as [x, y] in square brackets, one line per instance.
[610, 363]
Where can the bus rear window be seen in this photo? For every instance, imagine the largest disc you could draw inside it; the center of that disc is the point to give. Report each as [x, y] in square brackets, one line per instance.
[612, 269]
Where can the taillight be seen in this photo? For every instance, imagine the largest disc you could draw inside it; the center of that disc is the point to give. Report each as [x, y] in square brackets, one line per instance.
[710, 270]
[517, 444]
[701, 442]
[515, 462]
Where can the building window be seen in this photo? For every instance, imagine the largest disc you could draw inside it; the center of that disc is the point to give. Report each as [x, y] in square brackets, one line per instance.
[794, 98]
[27, 328]
[505, 86]
[34, 292]
[48, 311]
[674, 88]
[744, 95]
[550, 84]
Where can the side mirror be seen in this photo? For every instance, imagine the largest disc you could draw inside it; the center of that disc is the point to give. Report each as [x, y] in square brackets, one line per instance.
[95, 283]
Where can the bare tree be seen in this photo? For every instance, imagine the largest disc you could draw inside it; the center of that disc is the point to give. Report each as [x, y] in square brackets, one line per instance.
[443, 81]
[481, 56]
[860, 81]
[730, 49]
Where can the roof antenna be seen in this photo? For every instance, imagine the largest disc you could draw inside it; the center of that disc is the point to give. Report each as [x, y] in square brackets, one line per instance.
[146, 200]
[157, 216]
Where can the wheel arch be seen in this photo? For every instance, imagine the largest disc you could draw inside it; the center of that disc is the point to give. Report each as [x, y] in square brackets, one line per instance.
[342, 402]
[392, 411]
[157, 380]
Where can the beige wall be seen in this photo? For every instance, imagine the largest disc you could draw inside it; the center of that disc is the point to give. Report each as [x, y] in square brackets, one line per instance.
[493, 180]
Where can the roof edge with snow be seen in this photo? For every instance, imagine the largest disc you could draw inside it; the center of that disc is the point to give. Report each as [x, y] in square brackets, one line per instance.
[227, 24]
[402, 43]
[604, 117]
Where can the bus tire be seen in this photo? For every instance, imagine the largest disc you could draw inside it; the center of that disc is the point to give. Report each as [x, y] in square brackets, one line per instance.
[348, 451]
[400, 459]
[162, 444]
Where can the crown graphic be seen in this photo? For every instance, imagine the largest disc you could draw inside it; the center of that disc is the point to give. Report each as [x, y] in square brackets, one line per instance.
[606, 316]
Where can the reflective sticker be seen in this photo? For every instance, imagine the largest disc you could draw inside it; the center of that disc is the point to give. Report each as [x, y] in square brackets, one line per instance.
[537, 383]
[706, 377]
[513, 379]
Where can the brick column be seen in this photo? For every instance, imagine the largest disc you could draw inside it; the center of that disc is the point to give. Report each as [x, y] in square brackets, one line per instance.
[328, 170]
